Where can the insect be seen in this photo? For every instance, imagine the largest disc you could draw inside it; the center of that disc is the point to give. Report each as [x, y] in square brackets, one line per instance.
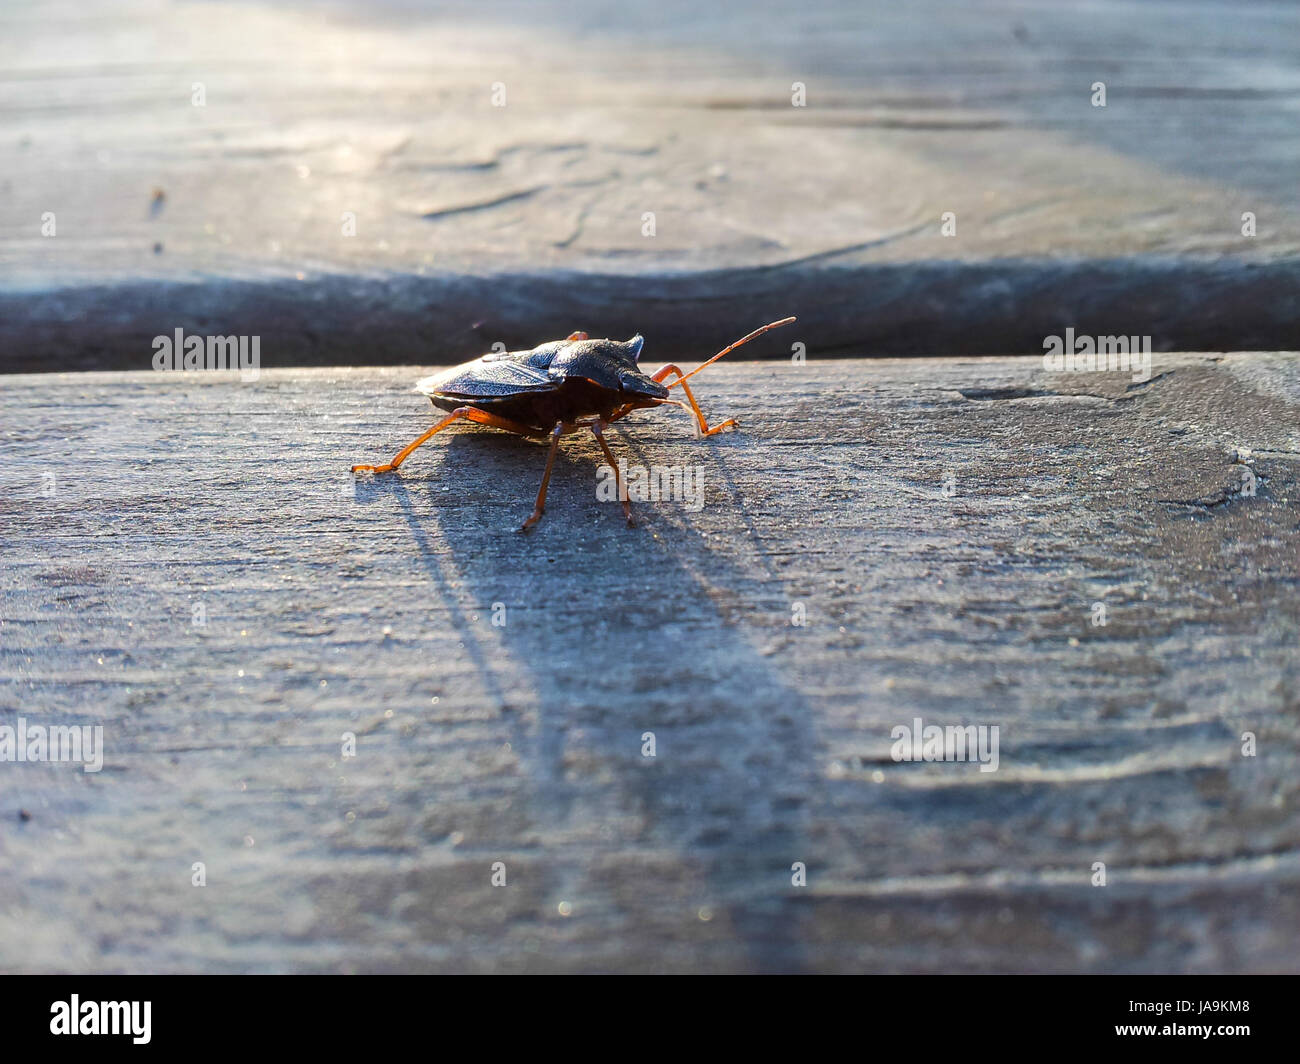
[556, 389]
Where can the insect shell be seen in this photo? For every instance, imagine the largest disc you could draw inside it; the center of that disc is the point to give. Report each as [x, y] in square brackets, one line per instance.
[556, 389]
[559, 381]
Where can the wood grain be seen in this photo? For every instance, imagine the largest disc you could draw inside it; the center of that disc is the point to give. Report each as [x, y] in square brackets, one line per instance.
[348, 191]
[332, 607]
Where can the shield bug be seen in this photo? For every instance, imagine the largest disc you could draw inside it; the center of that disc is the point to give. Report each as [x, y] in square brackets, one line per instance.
[556, 389]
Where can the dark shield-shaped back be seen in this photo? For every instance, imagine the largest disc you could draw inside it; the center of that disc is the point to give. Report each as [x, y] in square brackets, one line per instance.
[609, 363]
[563, 379]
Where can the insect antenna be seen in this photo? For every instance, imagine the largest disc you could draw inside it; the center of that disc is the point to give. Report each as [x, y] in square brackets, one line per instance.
[731, 348]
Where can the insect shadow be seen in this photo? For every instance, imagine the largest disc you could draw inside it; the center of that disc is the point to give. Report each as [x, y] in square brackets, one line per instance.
[610, 637]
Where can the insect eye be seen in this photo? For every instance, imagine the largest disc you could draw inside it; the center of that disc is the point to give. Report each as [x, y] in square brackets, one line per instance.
[635, 345]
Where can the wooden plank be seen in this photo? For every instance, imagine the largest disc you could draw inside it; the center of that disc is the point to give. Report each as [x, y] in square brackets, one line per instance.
[340, 182]
[331, 607]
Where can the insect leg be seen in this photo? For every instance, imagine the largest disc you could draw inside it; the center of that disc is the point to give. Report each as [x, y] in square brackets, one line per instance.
[402, 455]
[497, 422]
[623, 411]
[690, 396]
[556, 433]
[466, 412]
[598, 430]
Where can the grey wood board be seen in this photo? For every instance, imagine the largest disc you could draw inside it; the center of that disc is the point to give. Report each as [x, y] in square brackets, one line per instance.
[946, 527]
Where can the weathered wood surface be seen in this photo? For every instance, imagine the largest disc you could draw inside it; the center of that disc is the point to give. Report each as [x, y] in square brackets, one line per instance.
[333, 607]
[476, 223]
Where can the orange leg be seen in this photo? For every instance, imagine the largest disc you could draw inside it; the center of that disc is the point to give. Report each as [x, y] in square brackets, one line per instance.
[540, 508]
[598, 430]
[663, 372]
[623, 411]
[577, 336]
[702, 426]
[467, 412]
